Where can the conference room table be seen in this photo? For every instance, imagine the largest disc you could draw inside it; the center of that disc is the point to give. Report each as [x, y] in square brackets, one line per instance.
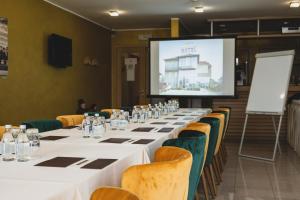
[70, 167]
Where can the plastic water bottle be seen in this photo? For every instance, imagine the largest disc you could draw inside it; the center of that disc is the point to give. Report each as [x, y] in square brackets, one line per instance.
[23, 145]
[8, 143]
[98, 126]
[86, 126]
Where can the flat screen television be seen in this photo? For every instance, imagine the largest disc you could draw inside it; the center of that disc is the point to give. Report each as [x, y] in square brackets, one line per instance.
[59, 51]
[192, 67]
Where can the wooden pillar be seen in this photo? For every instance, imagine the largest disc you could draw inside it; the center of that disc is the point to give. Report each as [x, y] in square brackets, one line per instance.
[175, 27]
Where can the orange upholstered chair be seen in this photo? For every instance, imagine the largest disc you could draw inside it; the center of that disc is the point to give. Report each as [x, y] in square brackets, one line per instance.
[70, 120]
[2, 130]
[110, 110]
[109, 193]
[167, 178]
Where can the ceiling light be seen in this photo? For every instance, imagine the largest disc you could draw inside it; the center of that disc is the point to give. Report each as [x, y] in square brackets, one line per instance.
[199, 9]
[295, 4]
[114, 13]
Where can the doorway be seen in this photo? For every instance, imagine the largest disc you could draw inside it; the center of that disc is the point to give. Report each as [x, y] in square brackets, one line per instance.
[132, 69]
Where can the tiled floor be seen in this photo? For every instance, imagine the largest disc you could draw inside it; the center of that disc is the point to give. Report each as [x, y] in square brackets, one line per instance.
[246, 179]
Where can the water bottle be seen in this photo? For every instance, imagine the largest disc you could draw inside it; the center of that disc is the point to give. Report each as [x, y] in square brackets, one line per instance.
[142, 117]
[135, 116]
[98, 126]
[23, 145]
[86, 126]
[8, 145]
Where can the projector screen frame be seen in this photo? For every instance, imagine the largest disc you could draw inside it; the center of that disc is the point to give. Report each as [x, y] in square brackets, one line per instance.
[149, 95]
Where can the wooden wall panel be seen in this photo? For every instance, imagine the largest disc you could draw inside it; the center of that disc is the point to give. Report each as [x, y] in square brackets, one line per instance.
[259, 127]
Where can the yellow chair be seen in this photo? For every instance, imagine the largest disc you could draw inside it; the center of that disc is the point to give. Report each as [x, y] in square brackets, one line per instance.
[70, 120]
[110, 110]
[167, 178]
[110, 193]
[2, 130]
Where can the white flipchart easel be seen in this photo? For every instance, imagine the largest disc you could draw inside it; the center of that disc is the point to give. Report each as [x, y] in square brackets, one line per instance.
[268, 92]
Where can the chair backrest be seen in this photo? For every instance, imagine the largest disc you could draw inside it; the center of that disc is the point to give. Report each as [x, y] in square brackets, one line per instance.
[227, 112]
[101, 114]
[196, 145]
[213, 136]
[221, 117]
[70, 120]
[110, 193]
[196, 128]
[43, 125]
[110, 110]
[2, 130]
[167, 178]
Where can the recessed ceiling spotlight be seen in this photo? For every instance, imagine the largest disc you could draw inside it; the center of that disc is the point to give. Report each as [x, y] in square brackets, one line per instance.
[295, 4]
[199, 9]
[113, 13]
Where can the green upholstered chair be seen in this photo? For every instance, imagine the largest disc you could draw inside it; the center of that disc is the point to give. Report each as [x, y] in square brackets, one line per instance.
[213, 137]
[103, 114]
[196, 145]
[43, 125]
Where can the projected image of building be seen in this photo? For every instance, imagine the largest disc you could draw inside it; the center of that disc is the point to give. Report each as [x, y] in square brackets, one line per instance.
[187, 72]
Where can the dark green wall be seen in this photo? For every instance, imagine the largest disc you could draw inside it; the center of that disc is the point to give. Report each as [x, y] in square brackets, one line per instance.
[35, 90]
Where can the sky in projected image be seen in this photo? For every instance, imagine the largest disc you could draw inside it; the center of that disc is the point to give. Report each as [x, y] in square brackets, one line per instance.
[209, 50]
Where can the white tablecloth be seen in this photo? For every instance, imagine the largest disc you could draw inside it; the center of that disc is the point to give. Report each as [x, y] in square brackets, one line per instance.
[25, 181]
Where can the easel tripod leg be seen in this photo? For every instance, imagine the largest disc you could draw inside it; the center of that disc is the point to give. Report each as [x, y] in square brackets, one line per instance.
[275, 129]
[243, 134]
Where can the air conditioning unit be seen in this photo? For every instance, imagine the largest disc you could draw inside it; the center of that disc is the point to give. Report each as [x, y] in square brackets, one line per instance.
[290, 30]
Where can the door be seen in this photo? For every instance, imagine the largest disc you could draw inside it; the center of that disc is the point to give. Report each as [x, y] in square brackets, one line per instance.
[132, 67]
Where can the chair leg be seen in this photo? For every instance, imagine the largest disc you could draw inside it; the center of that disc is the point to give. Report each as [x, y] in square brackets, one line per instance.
[216, 170]
[210, 182]
[220, 162]
[212, 177]
[204, 186]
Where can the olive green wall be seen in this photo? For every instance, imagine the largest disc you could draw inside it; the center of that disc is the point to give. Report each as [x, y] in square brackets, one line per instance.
[35, 90]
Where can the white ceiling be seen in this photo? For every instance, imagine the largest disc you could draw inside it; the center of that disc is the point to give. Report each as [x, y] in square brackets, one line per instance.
[137, 14]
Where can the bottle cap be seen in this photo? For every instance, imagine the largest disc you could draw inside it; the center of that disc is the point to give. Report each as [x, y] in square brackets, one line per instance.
[7, 126]
[23, 126]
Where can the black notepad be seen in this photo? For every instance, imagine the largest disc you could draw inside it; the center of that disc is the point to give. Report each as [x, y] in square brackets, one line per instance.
[115, 140]
[59, 162]
[53, 138]
[99, 164]
[188, 118]
[179, 123]
[143, 141]
[159, 123]
[171, 118]
[165, 130]
[143, 129]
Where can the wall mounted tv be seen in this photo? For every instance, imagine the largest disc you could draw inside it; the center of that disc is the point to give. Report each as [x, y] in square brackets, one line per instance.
[59, 51]
[192, 67]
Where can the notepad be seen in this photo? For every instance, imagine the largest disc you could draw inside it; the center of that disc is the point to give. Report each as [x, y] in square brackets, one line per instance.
[59, 162]
[171, 118]
[53, 138]
[99, 164]
[115, 140]
[143, 129]
[159, 123]
[165, 130]
[143, 141]
[179, 123]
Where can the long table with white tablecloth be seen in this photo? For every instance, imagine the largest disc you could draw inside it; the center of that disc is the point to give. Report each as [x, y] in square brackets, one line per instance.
[25, 180]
